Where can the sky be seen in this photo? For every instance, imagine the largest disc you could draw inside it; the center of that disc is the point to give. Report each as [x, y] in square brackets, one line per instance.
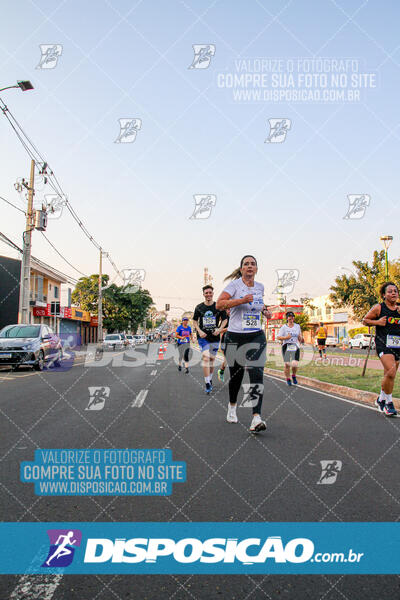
[202, 132]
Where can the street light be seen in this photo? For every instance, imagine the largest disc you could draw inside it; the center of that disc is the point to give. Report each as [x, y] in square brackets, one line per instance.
[386, 241]
[23, 85]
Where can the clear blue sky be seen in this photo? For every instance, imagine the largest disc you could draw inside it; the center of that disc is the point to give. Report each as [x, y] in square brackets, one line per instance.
[282, 202]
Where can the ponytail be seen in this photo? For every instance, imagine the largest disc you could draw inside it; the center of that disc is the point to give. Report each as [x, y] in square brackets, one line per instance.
[236, 274]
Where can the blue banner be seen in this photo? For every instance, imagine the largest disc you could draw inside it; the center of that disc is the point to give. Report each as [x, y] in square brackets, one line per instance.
[200, 548]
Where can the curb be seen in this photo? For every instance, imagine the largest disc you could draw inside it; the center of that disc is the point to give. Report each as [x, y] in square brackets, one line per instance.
[333, 388]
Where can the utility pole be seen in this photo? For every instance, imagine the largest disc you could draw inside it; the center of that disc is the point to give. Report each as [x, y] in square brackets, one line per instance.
[100, 303]
[25, 280]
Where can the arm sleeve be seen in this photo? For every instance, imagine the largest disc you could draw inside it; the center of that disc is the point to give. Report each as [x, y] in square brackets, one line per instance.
[281, 332]
[196, 315]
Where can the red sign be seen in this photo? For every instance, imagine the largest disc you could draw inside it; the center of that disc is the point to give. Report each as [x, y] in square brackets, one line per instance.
[277, 315]
[67, 312]
[41, 311]
[94, 321]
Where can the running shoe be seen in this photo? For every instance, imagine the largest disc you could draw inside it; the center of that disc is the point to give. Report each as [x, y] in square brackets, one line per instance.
[294, 379]
[231, 417]
[208, 388]
[288, 382]
[187, 371]
[221, 374]
[380, 404]
[179, 368]
[257, 424]
[389, 409]
[211, 389]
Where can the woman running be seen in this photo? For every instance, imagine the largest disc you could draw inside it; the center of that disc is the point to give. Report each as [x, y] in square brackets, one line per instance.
[291, 336]
[244, 297]
[184, 334]
[386, 319]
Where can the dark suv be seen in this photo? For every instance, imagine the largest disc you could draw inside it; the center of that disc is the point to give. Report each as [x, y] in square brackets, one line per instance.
[31, 345]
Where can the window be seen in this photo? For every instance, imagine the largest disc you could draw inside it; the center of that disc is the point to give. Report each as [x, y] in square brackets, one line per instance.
[56, 289]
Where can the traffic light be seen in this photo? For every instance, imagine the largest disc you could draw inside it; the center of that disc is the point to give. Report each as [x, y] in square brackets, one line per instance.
[167, 307]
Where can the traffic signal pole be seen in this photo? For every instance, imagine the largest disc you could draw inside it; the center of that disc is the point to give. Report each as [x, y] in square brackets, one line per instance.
[25, 280]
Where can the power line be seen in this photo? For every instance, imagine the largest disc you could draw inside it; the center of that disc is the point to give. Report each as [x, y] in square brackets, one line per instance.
[52, 180]
[12, 244]
[13, 205]
[59, 254]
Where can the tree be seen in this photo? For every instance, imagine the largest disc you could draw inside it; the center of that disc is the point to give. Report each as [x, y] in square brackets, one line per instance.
[121, 310]
[303, 320]
[360, 291]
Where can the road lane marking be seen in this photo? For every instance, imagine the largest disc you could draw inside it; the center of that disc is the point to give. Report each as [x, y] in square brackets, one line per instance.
[303, 387]
[140, 398]
[36, 587]
[153, 372]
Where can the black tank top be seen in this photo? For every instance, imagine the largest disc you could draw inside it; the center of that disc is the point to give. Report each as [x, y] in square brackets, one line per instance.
[392, 326]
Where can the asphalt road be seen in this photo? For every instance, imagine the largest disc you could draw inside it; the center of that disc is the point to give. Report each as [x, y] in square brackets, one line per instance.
[231, 474]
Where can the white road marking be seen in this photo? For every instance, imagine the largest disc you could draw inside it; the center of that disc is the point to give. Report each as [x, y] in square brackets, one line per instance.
[153, 372]
[36, 587]
[140, 398]
[304, 387]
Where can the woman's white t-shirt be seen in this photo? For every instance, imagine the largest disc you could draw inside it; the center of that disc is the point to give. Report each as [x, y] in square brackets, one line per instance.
[294, 331]
[245, 318]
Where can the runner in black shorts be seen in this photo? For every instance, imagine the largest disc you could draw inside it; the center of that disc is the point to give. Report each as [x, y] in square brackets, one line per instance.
[221, 371]
[386, 319]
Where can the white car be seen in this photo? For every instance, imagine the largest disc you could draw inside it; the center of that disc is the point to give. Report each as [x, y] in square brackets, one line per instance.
[140, 339]
[330, 341]
[113, 341]
[361, 340]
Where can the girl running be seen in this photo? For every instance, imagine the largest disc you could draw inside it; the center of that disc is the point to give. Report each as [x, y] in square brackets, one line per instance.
[244, 297]
[386, 319]
[291, 337]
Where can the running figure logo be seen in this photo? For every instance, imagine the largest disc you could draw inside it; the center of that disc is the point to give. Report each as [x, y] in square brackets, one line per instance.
[98, 396]
[286, 280]
[203, 205]
[278, 129]
[202, 56]
[133, 279]
[358, 204]
[62, 547]
[128, 130]
[50, 55]
[329, 471]
[54, 204]
[251, 394]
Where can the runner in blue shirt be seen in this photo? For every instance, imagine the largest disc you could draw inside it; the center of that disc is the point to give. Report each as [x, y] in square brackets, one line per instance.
[184, 336]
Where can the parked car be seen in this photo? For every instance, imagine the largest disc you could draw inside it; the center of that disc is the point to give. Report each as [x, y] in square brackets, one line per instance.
[361, 340]
[32, 345]
[330, 341]
[140, 339]
[114, 341]
[131, 340]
